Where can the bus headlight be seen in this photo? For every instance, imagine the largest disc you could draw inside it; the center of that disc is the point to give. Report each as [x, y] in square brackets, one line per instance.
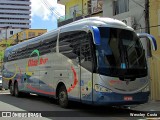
[146, 89]
[100, 88]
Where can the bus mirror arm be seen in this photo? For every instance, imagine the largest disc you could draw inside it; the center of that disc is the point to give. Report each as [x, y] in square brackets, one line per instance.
[151, 39]
[95, 33]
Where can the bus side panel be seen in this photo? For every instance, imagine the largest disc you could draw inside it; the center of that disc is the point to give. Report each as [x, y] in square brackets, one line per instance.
[5, 82]
[9, 73]
[47, 76]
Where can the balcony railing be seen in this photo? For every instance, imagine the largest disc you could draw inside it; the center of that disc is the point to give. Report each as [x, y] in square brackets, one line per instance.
[70, 18]
[79, 15]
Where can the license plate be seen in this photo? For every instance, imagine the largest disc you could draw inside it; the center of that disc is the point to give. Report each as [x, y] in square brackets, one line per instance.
[128, 98]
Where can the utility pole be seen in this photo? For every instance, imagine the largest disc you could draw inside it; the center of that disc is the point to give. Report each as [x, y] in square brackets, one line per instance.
[74, 15]
[147, 26]
[17, 38]
[147, 16]
[89, 7]
[6, 35]
[82, 9]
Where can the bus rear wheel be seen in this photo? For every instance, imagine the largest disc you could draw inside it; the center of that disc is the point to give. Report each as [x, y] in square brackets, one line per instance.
[63, 97]
[11, 89]
[16, 90]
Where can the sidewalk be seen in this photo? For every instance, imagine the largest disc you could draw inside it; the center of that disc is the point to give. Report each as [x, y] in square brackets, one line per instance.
[150, 106]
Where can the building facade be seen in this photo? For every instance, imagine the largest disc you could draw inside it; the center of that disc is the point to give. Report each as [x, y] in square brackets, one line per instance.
[154, 13]
[15, 14]
[19, 37]
[131, 12]
[5, 33]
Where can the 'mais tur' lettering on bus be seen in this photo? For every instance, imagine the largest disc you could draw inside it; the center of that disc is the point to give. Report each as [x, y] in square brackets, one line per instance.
[35, 62]
[113, 82]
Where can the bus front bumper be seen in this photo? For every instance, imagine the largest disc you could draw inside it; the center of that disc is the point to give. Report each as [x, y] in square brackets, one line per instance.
[101, 98]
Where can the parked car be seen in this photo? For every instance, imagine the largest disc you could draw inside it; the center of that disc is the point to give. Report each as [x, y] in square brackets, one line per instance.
[0, 82]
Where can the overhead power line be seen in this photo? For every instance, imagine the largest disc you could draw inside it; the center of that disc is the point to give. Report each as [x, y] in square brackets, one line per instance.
[51, 9]
[138, 4]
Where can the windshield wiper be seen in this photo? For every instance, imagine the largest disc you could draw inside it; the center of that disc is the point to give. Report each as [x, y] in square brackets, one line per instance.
[137, 60]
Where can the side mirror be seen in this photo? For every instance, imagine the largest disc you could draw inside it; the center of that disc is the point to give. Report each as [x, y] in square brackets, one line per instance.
[150, 37]
[95, 32]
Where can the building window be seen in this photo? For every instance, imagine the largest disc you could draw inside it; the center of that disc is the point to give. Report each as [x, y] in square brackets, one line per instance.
[96, 5]
[31, 35]
[89, 7]
[120, 6]
[74, 10]
[76, 45]
[11, 32]
[40, 34]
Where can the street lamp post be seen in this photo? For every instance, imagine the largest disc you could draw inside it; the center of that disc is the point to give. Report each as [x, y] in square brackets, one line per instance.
[6, 34]
[82, 9]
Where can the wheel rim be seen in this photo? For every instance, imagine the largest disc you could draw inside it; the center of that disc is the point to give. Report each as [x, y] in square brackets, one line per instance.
[62, 97]
[16, 90]
[11, 89]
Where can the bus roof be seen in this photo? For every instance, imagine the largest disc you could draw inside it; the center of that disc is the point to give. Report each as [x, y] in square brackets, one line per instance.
[77, 25]
[98, 21]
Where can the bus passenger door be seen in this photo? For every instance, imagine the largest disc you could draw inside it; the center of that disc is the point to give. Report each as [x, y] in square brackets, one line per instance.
[86, 63]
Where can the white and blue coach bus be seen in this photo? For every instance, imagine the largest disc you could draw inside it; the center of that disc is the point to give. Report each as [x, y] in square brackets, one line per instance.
[95, 60]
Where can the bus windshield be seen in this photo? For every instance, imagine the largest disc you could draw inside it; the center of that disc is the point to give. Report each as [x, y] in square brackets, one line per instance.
[120, 54]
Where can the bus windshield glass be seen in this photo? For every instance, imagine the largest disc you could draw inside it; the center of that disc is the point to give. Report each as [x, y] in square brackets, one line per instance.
[120, 53]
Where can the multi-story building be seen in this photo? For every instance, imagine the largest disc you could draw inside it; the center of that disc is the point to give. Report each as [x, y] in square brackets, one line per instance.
[15, 14]
[26, 34]
[154, 12]
[78, 9]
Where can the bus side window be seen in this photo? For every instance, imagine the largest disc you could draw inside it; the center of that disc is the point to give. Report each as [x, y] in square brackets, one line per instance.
[76, 45]
[69, 45]
[48, 45]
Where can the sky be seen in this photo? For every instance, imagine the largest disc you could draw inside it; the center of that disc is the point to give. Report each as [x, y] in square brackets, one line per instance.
[42, 17]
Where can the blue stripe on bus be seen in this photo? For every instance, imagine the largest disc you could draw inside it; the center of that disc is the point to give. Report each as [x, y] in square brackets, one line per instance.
[154, 42]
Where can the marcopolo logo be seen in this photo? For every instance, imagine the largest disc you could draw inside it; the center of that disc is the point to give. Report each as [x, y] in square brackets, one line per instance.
[35, 62]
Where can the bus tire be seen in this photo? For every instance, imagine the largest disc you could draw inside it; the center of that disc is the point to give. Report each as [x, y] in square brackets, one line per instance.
[16, 90]
[11, 89]
[63, 97]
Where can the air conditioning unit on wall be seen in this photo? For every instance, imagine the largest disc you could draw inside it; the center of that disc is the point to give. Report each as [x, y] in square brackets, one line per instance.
[129, 21]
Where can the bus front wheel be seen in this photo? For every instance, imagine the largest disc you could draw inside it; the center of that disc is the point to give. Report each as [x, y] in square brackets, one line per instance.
[63, 97]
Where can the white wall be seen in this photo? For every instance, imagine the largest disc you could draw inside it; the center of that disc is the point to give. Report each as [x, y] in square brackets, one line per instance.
[3, 32]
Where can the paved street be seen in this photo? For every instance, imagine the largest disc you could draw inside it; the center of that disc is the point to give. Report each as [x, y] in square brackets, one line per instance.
[78, 111]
